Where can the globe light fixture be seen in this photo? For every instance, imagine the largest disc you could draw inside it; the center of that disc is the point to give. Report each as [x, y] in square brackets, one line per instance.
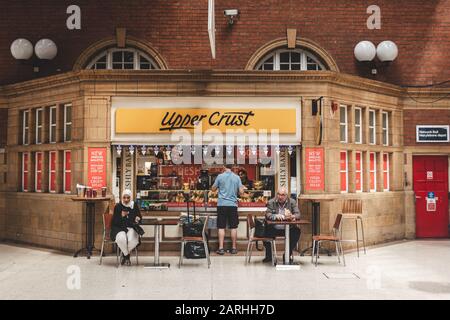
[22, 49]
[45, 49]
[387, 51]
[365, 51]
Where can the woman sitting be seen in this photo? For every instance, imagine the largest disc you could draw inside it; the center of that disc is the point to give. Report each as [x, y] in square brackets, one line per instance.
[126, 217]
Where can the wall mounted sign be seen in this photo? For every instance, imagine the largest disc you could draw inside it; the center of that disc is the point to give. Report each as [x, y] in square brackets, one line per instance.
[429, 175]
[432, 133]
[283, 169]
[127, 172]
[314, 167]
[142, 120]
[97, 167]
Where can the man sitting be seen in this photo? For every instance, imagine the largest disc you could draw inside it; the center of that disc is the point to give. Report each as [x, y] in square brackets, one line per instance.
[278, 209]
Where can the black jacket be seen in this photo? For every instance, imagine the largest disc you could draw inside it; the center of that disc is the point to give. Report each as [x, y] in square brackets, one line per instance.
[120, 223]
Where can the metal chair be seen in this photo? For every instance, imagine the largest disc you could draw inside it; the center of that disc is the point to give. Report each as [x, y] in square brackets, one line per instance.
[107, 221]
[201, 238]
[352, 210]
[252, 239]
[334, 237]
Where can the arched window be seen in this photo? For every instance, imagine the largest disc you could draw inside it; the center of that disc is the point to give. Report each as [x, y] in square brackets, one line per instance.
[122, 59]
[299, 60]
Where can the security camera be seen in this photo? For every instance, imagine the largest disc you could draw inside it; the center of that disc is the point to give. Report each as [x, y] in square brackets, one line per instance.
[231, 14]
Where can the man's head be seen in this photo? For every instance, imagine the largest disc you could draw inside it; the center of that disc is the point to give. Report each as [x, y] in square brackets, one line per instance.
[228, 166]
[282, 194]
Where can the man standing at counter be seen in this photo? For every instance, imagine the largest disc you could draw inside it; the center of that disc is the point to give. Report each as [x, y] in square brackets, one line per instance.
[229, 185]
[282, 208]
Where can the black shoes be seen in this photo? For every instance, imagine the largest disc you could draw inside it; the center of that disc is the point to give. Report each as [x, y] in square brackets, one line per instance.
[220, 252]
[267, 260]
[125, 260]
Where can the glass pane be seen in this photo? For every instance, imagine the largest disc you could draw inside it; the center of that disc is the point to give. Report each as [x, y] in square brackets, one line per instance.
[145, 66]
[284, 57]
[102, 59]
[100, 66]
[128, 66]
[267, 66]
[128, 56]
[269, 60]
[385, 137]
[295, 66]
[39, 136]
[295, 57]
[357, 116]
[343, 114]
[385, 120]
[25, 140]
[143, 59]
[117, 56]
[68, 182]
[68, 133]
[312, 67]
[53, 115]
[68, 110]
[310, 60]
[342, 133]
[372, 135]
[117, 66]
[39, 117]
[357, 135]
[371, 118]
[284, 66]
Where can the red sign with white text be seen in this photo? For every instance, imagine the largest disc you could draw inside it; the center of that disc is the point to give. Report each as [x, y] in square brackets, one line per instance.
[97, 167]
[314, 169]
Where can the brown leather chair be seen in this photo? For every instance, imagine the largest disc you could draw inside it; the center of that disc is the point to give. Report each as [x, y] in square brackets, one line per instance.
[352, 210]
[252, 239]
[334, 237]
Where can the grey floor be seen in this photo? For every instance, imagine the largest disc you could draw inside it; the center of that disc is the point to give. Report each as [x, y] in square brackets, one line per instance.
[402, 270]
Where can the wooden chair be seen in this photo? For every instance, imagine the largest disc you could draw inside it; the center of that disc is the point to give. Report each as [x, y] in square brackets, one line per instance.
[334, 237]
[201, 238]
[107, 221]
[252, 239]
[352, 210]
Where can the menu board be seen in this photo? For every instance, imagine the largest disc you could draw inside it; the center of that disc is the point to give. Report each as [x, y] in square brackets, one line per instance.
[97, 167]
[314, 167]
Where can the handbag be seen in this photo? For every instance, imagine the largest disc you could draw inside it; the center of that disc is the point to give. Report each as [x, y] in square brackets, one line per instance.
[260, 228]
[194, 250]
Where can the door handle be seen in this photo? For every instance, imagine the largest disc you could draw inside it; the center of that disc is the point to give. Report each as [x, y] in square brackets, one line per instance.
[418, 197]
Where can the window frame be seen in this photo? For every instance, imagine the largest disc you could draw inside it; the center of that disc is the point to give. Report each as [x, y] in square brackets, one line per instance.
[360, 171]
[373, 127]
[37, 172]
[25, 127]
[345, 124]
[50, 171]
[39, 116]
[137, 54]
[25, 172]
[303, 60]
[385, 129]
[66, 123]
[66, 171]
[386, 172]
[51, 138]
[374, 171]
[343, 171]
[358, 127]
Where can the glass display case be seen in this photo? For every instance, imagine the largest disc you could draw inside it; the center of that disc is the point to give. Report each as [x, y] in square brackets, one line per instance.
[162, 185]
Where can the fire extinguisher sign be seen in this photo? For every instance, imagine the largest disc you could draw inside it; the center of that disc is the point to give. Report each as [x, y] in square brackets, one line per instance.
[431, 202]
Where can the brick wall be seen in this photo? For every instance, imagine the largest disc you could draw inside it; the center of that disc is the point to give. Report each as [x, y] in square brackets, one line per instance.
[178, 30]
[413, 117]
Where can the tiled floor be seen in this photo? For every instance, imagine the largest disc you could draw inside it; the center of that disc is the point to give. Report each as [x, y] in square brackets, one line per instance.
[405, 270]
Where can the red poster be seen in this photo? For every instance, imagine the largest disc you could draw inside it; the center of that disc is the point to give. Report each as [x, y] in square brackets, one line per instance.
[97, 167]
[314, 165]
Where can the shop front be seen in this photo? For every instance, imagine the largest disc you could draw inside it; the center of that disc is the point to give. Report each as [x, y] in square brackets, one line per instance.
[169, 151]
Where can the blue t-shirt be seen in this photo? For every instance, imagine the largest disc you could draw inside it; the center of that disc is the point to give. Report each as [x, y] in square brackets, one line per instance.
[228, 184]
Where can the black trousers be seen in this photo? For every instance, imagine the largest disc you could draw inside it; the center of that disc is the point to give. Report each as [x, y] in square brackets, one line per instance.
[271, 232]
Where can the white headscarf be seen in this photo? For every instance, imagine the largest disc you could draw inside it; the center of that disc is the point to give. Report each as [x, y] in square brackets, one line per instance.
[127, 192]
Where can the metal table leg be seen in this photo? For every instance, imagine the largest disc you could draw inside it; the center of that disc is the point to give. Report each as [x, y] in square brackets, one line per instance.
[90, 227]
[156, 264]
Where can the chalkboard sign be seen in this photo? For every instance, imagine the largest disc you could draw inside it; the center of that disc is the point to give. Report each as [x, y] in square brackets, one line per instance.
[431, 133]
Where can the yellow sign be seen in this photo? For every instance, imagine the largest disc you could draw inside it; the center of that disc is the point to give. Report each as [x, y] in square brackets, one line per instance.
[167, 120]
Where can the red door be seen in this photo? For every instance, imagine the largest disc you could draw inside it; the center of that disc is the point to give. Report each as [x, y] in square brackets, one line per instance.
[431, 182]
